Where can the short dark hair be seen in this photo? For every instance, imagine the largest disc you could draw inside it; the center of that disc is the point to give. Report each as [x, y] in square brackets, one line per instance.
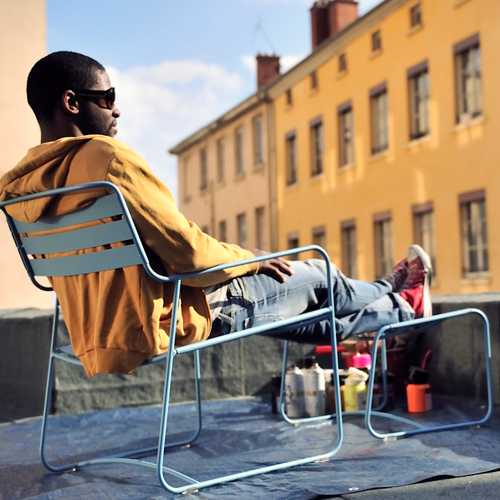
[55, 73]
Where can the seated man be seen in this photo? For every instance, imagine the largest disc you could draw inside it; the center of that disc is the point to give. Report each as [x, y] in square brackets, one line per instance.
[118, 318]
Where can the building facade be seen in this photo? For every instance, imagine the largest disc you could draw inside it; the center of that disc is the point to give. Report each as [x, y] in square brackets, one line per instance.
[387, 134]
[224, 173]
[22, 43]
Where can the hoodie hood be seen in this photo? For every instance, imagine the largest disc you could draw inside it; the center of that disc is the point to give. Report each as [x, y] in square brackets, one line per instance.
[46, 166]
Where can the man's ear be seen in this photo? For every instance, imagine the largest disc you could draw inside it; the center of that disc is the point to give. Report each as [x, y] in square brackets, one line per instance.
[70, 102]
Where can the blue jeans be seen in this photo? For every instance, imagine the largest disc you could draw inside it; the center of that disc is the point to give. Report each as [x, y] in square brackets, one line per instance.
[258, 299]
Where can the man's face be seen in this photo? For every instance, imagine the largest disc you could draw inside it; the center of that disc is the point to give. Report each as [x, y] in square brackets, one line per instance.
[94, 117]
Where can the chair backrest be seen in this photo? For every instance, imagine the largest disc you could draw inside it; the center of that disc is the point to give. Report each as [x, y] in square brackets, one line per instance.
[113, 224]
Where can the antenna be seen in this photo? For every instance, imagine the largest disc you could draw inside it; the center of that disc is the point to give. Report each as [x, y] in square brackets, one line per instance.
[259, 29]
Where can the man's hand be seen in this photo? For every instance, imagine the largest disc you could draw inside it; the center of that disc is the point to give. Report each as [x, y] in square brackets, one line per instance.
[280, 269]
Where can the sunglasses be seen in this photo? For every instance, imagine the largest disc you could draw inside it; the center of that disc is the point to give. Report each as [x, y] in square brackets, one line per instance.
[107, 97]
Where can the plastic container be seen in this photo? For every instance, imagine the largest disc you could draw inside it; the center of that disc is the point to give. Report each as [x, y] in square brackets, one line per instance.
[294, 393]
[314, 391]
[354, 390]
[362, 361]
[419, 398]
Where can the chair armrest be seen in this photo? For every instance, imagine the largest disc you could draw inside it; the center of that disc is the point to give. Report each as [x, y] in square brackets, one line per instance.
[256, 259]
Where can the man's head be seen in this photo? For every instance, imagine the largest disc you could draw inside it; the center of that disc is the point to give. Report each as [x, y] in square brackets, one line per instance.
[72, 93]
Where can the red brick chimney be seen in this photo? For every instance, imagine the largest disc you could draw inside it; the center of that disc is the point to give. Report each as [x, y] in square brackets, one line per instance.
[268, 68]
[320, 29]
[341, 13]
[328, 17]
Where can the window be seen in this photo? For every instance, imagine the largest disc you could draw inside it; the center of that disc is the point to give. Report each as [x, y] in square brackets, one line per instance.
[313, 78]
[319, 236]
[316, 144]
[293, 242]
[205, 229]
[376, 41]
[241, 225]
[258, 140]
[415, 16]
[379, 118]
[222, 230]
[203, 170]
[342, 63]
[383, 244]
[418, 94]
[468, 78]
[291, 159]
[423, 230]
[346, 134]
[349, 248]
[220, 159]
[288, 96]
[259, 227]
[238, 151]
[474, 232]
[185, 180]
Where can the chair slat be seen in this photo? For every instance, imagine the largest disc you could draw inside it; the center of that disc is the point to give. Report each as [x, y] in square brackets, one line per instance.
[105, 206]
[87, 263]
[86, 237]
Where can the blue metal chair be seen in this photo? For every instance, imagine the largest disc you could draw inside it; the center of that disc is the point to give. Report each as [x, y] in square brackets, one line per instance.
[114, 224]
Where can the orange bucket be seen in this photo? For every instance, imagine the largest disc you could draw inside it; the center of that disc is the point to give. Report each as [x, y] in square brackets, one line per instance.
[419, 398]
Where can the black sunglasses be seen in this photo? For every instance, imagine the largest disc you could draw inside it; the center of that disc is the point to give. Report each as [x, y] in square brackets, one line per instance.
[108, 96]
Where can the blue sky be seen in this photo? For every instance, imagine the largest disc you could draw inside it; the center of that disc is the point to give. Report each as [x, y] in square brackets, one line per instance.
[179, 64]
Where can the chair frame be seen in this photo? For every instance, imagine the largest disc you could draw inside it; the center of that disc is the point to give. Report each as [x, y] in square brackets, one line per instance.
[135, 255]
[397, 328]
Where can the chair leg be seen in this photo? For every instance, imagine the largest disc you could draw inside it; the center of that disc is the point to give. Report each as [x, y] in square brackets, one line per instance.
[419, 428]
[48, 396]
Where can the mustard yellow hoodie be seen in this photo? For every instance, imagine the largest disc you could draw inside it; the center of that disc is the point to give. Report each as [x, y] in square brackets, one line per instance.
[118, 318]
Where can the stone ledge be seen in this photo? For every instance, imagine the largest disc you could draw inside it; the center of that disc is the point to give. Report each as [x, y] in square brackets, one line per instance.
[239, 368]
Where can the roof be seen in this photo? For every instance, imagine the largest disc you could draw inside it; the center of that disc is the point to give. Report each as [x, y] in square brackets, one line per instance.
[263, 94]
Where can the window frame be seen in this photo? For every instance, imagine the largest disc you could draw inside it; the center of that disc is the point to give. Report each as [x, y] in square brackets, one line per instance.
[222, 230]
[376, 41]
[378, 130]
[342, 63]
[349, 247]
[419, 211]
[470, 200]
[260, 214]
[203, 159]
[469, 46]
[345, 146]
[383, 262]
[220, 151]
[242, 229]
[415, 16]
[415, 100]
[239, 160]
[258, 140]
[316, 146]
[291, 160]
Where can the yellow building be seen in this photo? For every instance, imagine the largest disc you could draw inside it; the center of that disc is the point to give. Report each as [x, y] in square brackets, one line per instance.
[22, 43]
[388, 133]
[223, 170]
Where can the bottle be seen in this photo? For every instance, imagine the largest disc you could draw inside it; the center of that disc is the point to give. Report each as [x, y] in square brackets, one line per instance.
[354, 390]
[294, 393]
[314, 390]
